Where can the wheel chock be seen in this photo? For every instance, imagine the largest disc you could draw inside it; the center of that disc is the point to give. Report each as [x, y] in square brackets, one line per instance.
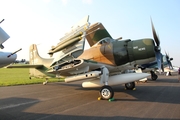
[111, 99]
[99, 98]
[134, 88]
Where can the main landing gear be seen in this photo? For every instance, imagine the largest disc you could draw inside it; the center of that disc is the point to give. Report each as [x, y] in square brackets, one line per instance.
[130, 86]
[106, 92]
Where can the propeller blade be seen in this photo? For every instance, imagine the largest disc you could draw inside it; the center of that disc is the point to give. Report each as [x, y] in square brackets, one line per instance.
[159, 56]
[155, 34]
[170, 65]
[167, 55]
[168, 59]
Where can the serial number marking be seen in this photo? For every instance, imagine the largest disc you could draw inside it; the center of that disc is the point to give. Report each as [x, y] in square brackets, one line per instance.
[141, 49]
[135, 47]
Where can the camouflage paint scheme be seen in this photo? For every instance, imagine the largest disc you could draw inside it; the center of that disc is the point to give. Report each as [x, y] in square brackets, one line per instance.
[119, 55]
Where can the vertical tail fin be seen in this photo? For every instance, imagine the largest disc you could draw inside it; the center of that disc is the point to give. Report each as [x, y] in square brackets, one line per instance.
[34, 57]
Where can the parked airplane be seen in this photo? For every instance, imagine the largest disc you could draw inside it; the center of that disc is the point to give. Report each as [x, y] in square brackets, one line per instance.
[161, 60]
[104, 64]
[5, 57]
[153, 67]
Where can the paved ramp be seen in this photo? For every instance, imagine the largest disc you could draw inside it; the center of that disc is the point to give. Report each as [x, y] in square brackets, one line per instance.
[154, 100]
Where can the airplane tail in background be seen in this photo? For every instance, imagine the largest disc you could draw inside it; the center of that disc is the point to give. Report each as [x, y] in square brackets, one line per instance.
[39, 65]
[35, 59]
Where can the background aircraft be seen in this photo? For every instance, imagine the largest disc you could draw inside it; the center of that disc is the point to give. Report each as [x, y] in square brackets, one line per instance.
[5, 57]
[161, 60]
[153, 67]
[105, 63]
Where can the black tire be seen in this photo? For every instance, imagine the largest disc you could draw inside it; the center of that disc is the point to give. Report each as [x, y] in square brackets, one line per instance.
[154, 77]
[106, 92]
[130, 86]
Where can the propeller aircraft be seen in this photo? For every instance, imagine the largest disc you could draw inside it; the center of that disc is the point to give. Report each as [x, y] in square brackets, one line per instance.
[104, 64]
[153, 67]
[161, 62]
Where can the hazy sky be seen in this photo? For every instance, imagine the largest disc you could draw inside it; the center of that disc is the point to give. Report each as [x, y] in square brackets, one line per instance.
[44, 22]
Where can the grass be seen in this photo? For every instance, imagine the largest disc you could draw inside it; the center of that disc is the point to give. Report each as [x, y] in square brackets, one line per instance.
[20, 76]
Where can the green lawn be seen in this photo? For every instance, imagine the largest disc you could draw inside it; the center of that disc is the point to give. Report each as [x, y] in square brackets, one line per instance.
[20, 76]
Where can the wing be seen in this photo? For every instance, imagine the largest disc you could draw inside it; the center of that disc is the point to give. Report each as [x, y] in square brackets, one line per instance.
[72, 44]
[3, 37]
[79, 66]
[96, 32]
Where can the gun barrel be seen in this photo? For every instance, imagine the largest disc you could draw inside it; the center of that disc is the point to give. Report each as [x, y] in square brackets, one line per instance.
[14, 52]
[2, 20]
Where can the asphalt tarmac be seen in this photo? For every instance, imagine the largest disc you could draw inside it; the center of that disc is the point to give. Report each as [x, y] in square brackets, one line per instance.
[154, 100]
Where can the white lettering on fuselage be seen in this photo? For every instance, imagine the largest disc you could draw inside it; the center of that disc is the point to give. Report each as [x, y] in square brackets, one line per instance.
[135, 47]
[141, 49]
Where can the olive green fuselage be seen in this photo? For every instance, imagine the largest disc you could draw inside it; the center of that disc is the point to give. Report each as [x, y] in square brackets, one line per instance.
[119, 52]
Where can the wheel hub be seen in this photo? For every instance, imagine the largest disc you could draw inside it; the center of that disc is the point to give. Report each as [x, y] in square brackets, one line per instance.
[128, 84]
[105, 93]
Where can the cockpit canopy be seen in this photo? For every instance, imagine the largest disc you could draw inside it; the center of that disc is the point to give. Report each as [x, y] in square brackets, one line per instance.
[104, 40]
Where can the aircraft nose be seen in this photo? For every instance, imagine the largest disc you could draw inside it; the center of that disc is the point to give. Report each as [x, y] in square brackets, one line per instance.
[6, 58]
[13, 57]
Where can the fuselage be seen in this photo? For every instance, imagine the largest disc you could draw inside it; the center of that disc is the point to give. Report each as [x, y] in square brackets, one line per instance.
[120, 52]
[5, 60]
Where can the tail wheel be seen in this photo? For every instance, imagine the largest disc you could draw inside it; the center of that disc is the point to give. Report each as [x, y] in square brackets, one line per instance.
[106, 92]
[130, 86]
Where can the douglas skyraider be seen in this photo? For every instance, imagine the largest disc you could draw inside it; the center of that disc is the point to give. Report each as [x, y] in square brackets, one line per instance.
[104, 64]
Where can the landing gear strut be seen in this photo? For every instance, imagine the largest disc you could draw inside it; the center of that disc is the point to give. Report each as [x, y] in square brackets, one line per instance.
[106, 92]
[153, 75]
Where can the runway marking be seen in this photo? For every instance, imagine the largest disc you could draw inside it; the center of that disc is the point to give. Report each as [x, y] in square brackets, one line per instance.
[17, 105]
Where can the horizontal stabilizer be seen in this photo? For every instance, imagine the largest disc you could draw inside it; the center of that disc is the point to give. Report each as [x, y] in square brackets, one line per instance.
[25, 66]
